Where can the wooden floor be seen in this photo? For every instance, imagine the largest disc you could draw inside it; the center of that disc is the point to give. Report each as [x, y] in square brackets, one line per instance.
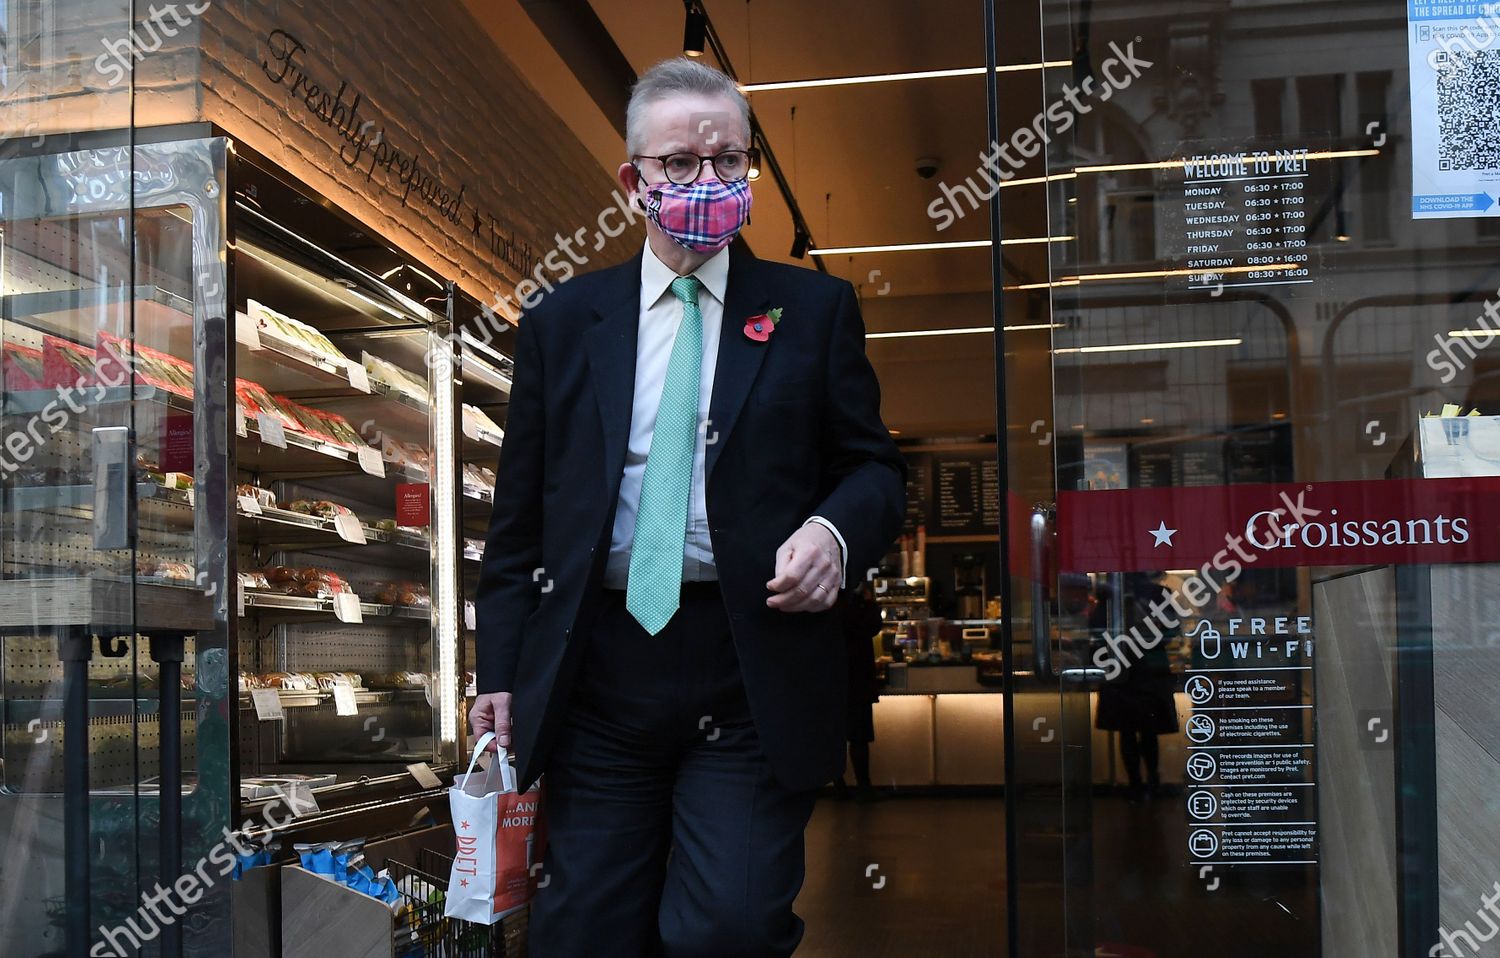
[940, 870]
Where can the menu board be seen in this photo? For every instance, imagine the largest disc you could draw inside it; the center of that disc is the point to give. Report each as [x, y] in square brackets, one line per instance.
[1262, 455]
[1251, 768]
[1200, 462]
[965, 495]
[918, 491]
[1242, 219]
[1152, 467]
[989, 494]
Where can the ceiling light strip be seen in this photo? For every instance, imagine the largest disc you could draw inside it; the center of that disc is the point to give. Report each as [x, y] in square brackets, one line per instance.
[955, 244]
[959, 331]
[1132, 347]
[895, 77]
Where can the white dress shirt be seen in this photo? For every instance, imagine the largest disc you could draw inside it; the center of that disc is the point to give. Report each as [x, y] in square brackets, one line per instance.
[661, 315]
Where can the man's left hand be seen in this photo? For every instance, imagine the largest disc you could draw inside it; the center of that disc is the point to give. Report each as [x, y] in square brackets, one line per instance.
[807, 571]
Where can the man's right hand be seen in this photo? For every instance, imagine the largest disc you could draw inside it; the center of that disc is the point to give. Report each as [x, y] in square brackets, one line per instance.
[491, 713]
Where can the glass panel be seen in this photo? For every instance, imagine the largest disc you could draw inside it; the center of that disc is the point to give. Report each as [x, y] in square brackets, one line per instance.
[1268, 606]
[68, 288]
[68, 284]
[112, 623]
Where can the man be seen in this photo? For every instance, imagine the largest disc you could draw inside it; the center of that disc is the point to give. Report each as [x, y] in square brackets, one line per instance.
[685, 486]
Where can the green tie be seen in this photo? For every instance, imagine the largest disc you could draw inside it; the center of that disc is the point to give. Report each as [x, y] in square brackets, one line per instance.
[653, 590]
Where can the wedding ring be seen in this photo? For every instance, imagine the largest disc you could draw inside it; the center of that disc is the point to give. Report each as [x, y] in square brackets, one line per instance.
[823, 587]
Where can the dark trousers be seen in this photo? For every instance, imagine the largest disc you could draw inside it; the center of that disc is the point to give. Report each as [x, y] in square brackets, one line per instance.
[666, 833]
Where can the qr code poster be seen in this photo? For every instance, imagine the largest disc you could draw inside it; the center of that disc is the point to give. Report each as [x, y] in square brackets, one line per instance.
[1454, 51]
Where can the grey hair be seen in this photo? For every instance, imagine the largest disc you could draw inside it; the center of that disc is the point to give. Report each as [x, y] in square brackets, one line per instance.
[676, 77]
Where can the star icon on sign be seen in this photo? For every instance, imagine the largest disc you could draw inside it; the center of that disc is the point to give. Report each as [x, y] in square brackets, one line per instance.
[464, 825]
[463, 883]
[1162, 534]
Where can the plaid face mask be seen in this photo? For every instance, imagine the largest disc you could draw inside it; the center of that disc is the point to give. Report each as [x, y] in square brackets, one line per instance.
[703, 216]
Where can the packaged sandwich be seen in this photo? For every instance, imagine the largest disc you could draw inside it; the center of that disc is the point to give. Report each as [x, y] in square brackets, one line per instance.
[480, 426]
[397, 680]
[408, 456]
[395, 379]
[403, 593]
[265, 497]
[255, 581]
[23, 368]
[289, 681]
[338, 427]
[322, 508]
[327, 680]
[291, 332]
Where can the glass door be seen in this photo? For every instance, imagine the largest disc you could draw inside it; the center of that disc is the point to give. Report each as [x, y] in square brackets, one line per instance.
[113, 503]
[1248, 300]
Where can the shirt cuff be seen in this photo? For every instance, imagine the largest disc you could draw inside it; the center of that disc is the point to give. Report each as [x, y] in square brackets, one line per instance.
[843, 549]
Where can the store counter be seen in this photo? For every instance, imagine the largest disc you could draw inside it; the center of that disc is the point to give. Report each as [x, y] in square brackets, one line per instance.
[946, 728]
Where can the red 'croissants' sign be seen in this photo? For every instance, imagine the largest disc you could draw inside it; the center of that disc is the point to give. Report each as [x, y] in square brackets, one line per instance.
[1379, 522]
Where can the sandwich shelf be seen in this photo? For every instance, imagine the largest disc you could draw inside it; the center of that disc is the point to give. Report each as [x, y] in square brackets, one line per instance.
[259, 440]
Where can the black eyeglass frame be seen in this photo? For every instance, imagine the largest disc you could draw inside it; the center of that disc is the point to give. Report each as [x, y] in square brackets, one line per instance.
[752, 160]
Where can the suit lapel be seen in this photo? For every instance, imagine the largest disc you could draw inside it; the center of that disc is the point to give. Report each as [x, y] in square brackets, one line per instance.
[739, 355]
[611, 345]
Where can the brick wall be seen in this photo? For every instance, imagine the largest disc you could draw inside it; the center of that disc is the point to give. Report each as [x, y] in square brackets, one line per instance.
[428, 76]
[444, 94]
[67, 67]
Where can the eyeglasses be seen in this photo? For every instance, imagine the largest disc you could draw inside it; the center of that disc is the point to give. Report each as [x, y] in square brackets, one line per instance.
[730, 166]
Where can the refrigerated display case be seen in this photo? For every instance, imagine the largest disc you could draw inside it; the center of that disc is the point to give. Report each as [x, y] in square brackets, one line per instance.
[486, 343]
[242, 523]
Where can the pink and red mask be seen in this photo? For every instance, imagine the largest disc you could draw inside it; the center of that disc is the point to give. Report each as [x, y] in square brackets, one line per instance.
[704, 216]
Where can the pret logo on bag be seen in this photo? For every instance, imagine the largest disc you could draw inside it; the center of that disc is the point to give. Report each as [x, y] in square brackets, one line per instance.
[465, 861]
[494, 829]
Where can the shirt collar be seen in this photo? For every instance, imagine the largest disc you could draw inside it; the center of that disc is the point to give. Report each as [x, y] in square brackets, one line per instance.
[656, 276]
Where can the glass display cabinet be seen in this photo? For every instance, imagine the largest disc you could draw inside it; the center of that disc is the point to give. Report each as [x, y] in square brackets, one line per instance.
[247, 458]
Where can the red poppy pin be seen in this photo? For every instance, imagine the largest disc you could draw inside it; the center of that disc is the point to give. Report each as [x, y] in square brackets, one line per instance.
[760, 328]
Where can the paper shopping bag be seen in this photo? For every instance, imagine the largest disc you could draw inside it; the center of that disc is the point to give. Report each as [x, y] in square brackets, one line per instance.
[495, 832]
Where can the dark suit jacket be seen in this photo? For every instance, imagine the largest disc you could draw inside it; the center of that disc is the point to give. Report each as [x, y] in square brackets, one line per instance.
[795, 432]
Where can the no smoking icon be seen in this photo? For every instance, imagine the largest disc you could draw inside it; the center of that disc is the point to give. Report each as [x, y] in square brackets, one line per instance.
[1200, 728]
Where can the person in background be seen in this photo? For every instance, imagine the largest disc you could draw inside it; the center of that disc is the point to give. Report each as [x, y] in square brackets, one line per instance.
[1140, 704]
[862, 621]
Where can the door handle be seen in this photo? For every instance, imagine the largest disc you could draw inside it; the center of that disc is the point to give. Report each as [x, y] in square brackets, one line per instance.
[1090, 677]
[1041, 625]
[112, 498]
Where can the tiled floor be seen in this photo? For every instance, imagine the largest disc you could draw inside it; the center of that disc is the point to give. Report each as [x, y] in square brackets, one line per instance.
[935, 882]
[925, 876]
